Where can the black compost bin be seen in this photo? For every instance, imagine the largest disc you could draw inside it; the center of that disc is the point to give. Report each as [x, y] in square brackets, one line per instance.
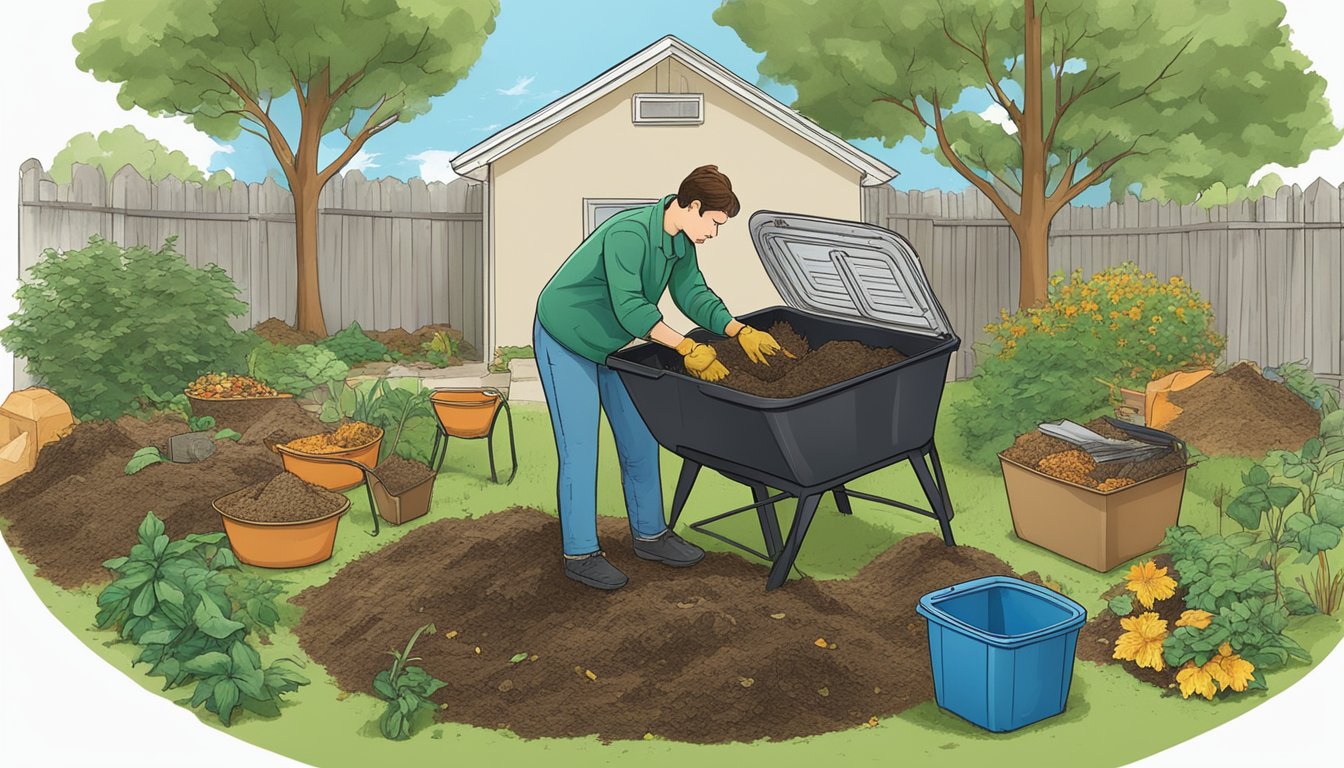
[843, 280]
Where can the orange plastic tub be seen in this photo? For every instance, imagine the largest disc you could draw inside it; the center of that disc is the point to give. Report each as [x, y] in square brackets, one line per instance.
[282, 545]
[237, 413]
[330, 475]
[466, 413]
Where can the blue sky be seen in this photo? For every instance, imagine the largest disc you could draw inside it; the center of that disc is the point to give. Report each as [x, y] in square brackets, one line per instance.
[541, 50]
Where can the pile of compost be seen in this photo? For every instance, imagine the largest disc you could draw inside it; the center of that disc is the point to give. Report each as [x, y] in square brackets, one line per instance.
[399, 475]
[78, 507]
[809, 369]
[399, 340]
[1065, 461]
[284, 498]
[277, 331]
[700, 654]
[353, 434]
[1096, 640]
[1241, 413]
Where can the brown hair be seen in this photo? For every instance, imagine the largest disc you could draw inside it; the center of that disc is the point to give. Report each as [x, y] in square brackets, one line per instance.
[711, 188]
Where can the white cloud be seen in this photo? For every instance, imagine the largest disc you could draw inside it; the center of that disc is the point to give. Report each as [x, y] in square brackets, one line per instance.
[362, 161]
[488, 128]
[435, 164]
[996, 114]
[519, 88]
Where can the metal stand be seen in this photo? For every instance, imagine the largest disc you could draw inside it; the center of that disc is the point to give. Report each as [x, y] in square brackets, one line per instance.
[440, 448]
[783, 552]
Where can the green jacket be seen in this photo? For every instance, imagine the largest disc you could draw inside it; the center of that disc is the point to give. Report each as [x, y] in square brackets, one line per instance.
[606, 293]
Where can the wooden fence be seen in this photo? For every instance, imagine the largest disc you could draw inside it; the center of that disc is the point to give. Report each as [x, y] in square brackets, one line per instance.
[391, 253]
[1272, 268]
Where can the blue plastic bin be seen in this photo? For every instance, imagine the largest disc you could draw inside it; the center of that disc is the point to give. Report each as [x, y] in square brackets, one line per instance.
[1002, 650]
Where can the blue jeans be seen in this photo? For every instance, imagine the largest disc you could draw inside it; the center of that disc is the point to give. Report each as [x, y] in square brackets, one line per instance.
[576, 390]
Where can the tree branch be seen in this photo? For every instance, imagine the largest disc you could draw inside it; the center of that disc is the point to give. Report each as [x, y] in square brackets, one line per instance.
[274, 137]
[984, 186]
[1092, 177]
[353, 149]
[1013, 111]
[1160, 75]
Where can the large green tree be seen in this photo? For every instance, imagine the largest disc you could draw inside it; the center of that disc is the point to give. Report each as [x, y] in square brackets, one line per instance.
[357, 67]
[119, 147]
[1170, 96]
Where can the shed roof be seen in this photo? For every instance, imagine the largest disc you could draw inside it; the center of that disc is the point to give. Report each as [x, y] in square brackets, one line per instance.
[474, 161]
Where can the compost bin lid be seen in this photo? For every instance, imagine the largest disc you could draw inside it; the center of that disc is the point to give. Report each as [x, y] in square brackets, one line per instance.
[847, 269]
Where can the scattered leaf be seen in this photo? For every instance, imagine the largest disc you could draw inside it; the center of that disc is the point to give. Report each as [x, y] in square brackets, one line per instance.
[872, 722]
[648, 737]
[443, 706]
[824, 691]
[450, 634]
[590, 674]
[746, 682]
[533, 657]
[517, 657]
[343, 695]
[820, 642]
[478, 649]
[228, 434]
[776, 615]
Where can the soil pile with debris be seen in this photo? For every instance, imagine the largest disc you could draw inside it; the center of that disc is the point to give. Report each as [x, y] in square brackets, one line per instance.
[700, 654]
[399, 475]
[277, 331]
[1066, 461]
[409, 343]
[78, 507]
[284, 498]
[1241, 413]
[809, 369]
[1096, 640]
[284, 421]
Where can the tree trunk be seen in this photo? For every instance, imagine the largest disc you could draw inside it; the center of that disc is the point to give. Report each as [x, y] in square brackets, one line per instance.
[1034, 262]
[308, 311]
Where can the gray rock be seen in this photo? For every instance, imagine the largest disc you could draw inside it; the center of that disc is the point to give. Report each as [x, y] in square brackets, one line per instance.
[190, 447]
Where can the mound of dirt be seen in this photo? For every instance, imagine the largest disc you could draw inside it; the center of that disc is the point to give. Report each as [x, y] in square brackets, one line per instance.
[699, 654]
[78, 507]
[1096, 640]
[286, 420]
[1241, 413]
[809, 369]
[277, 331]
[284, 498]
[409, 342]
[1031, 447]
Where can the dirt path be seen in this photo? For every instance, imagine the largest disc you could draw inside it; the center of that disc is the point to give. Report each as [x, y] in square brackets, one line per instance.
[688, 654]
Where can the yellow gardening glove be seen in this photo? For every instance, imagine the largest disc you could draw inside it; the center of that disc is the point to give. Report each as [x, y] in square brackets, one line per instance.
[759, 344]
[701, 360]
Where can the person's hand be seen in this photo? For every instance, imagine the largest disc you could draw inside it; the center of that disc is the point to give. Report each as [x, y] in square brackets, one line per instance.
[759, 344]
[701, 361]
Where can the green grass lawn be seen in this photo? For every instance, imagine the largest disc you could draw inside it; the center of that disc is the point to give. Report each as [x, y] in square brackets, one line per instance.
[1111, 718]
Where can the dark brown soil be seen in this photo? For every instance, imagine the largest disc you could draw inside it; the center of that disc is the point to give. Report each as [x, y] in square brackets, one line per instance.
[398, 475]
[691, 654]
[277, 331]
[1241, 413]
[1031, 447]
[238, 415]
[153, 431]
[810, 370]
[409, 342]
[78, 507]
[1096, 640]
[284, 421]
[282, 499]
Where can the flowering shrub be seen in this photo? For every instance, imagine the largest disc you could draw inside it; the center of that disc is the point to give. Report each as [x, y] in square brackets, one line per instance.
[1054, 361]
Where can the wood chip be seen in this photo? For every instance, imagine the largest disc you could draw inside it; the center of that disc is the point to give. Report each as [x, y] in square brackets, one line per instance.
[776, 615]
[450, 634]
[685, 605]
[478, 649]
[831, 646]
[506, 686]
[533, 657]
[590, 674]
[824, 691]
[820, 642]
[876, 689]
[746, 682]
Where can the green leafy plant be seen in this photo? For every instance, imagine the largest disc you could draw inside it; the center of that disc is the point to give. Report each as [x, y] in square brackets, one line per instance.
[297, 370]
[1121, 605]
[1263, 500]
[442, 350]
[505, 354]
[228, 434]
[402, 409]
[1215, 571]
[143, 458]
[1254, 628]
[112, 329]
[353, 346]
[406, 689]
[257, 602]
[1322, 395]
[171, 599]
[200, 423]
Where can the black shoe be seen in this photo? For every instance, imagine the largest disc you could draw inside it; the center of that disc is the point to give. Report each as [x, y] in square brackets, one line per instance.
[669, 548]
[595, 571]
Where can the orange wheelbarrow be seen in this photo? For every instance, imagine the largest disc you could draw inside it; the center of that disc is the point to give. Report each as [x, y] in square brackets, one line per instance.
[470, 414]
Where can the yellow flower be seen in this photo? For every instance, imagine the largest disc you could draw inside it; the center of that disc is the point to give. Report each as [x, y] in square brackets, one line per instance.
[1070, 311]
[1149, 583]
[1152, 331]
[1196, 680]
[1018, 331]
[1036, 320]
[1180, 313]
[1142, 641]
[1194, 618]
[1135, 313]
[1230, 670]
[1121, 343]
[1157, 319]
[1115, 315]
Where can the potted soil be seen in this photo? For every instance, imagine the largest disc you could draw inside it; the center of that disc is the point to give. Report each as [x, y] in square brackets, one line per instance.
[1100, 515]
[401, 489]
[357, 442]
[283, 522]
[236, 402]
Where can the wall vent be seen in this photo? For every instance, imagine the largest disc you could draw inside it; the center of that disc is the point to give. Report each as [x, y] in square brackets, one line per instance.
[668, 108]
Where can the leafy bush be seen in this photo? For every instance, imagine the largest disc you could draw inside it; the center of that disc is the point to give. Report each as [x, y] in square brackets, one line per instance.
[353, 346]
[110, 329]
[1049, 362]
[297, 370]
[402, 410]
[506, 353]
[442, 349]
[171, 598]
[405, 689]
[1322, 395]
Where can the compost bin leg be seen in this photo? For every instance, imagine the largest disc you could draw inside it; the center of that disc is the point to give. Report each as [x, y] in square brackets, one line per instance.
[769, 520]
[935, 495]
[779, 573]
[942, 484]
[842, 501]
[490, 446]
[441, 447]
[689, 471]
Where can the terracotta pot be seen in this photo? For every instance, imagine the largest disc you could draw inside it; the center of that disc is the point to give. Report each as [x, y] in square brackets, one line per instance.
[1100, 529]
[405, 506]
[466, 413]
[330, 475]
[237, 413]
[282, 545]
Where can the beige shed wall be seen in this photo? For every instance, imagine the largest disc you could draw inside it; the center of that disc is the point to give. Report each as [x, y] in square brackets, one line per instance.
[538, 191]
